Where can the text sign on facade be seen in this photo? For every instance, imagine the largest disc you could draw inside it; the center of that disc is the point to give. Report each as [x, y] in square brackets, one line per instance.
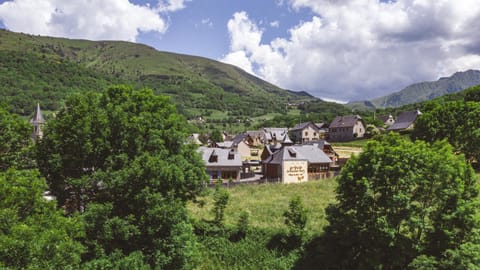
[295, 171]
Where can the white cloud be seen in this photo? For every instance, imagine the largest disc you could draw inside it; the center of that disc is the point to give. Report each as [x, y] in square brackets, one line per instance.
[89, 19]
[171, 5]
[239, 59]
[275, 24]
[358, 49]
[207, 21]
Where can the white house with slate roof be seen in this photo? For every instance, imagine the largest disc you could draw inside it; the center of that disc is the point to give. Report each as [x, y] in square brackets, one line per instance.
[221, 163]
[305, 132]
[405, 121]
[274, 136]
[346, 128]
[297, 163]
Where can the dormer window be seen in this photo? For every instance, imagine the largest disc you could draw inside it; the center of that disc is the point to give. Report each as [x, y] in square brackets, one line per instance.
[231, 154]
[292, 152]
[213, 157]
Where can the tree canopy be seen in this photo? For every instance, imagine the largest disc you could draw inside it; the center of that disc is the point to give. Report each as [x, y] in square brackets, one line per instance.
[121, 158]
[33, 233]
[403, 203]
[455, 121]
[15, 141]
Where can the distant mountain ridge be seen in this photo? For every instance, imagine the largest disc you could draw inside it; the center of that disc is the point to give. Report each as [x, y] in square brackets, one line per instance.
[197, 85]
[423, 91]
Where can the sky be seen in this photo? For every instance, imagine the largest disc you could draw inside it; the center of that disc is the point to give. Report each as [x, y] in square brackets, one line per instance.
[341, 50]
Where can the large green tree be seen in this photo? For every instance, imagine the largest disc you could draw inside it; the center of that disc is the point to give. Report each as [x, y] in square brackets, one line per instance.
[33, 233]
[455, 121]
[121, 157]
[15, 141]
[403, 203]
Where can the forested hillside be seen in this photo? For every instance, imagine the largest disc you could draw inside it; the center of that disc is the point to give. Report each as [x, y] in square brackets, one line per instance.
[45, 69]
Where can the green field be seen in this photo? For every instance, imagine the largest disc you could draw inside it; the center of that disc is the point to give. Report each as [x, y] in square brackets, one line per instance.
[266, 203]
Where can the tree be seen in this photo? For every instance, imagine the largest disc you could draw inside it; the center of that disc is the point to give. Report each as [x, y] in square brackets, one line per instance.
[456, 122]
[33, 233]
[220, 201]
[296, 217]
[121, 157]
[216, 135]
[15, 141]
[401, 203]
[472, 94]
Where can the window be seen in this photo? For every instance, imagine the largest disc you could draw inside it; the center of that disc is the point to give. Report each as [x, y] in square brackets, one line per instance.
[306, 133]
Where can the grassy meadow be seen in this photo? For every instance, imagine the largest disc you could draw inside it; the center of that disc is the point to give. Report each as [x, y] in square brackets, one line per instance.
[266, 203]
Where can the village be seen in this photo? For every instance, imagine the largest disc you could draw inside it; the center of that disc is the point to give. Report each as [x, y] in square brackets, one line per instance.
[299, 154]
[285, 155]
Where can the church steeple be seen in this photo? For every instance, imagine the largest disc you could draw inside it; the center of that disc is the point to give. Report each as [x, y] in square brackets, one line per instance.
[37, 121]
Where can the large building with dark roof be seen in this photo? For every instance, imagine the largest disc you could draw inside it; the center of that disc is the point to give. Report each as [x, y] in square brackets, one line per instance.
[221, 163]
[305, 132]
[346, 128]
[405, 121]
[297, 163]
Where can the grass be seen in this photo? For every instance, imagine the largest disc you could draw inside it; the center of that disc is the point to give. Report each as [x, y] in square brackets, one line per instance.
[356, 143]
[266, 204]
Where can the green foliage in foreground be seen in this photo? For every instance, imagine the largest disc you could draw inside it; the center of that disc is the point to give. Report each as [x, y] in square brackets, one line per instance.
[121, 159]
[15, 142]
[34, 234]
[404, 204]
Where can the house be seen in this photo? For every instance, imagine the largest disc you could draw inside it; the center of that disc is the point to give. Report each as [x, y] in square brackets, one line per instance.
[297, 163]
[221, 163]
[226, 136]
[405, 121]
[322, 130]
[269, 149]
[274, 136]
[346, 128]
[249, 145]
[304, 132]
[194, 138]
[37, 122]
[327, 149]
[387, 120]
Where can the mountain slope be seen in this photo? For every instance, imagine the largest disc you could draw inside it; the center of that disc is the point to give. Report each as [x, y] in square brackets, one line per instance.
[429, 90]
[196, 84]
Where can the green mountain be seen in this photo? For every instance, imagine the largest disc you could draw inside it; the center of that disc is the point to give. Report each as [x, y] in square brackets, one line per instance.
[429, 90]
[46, 69]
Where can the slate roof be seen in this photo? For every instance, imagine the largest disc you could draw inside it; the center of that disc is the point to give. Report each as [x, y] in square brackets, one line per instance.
[321, 125]
[225, 144]
[311, 153]
[239, 138]
[277, 133]
[304, 125]
[222, 157]
[344, 121]
[404, 120]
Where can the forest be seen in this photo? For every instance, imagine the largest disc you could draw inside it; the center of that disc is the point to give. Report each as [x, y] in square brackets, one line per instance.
[125, 182]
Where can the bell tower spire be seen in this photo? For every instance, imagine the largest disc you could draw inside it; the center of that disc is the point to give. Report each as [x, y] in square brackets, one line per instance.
[37, 122]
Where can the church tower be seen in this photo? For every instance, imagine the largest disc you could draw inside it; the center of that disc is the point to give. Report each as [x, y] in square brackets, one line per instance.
[37, 122]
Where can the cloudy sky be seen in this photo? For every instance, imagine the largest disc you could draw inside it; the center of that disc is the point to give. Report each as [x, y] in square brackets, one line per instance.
[334, 49]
